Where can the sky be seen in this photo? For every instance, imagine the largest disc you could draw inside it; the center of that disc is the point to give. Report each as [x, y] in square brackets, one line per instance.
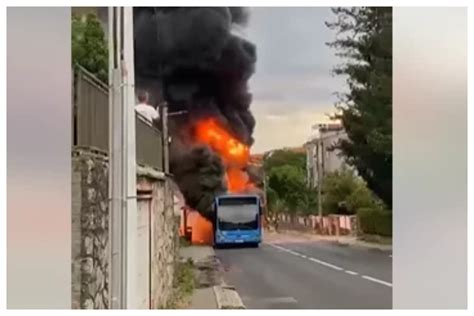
[293, 87]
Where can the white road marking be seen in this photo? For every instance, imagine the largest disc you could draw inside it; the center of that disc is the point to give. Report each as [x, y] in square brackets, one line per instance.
[351, 272]
[326, 264]
[376, 280]
[329, 265]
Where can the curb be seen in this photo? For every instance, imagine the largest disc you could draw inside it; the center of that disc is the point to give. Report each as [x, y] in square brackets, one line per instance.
[341, 242]
[227, 297]
[362, 244]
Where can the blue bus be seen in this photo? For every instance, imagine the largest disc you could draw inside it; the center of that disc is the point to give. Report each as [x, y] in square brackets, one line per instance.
[237, 220]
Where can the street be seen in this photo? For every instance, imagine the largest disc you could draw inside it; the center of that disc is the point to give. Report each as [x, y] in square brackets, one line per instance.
[309, 275]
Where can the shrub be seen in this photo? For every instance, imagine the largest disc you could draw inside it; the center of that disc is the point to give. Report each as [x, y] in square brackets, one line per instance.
[375, 221]
[344, 193]
[183, 285]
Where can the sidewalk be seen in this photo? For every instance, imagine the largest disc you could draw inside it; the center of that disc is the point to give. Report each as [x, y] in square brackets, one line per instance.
[211, 292]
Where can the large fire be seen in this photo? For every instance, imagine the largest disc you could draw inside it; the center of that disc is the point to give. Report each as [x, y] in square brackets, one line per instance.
[234, 153]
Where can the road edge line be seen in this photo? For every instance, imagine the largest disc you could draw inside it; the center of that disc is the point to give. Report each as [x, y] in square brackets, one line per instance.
[330, 265]
[369, 278]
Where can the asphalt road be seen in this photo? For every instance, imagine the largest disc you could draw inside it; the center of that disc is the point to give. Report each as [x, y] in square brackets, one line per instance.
[309, 275]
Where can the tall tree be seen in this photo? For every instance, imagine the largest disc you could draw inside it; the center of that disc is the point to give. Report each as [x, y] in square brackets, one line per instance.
[287, 182]
[283, 157]
[364, 42]
[89, 45]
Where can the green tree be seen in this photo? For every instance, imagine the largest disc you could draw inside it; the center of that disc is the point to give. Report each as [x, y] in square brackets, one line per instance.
[272, 198]
[343, 193]
[283, 157]
[287, 184]
[279, 206]
[275, 206]
[364, 42]
[287, 181]
[307, 203]
[89, 46]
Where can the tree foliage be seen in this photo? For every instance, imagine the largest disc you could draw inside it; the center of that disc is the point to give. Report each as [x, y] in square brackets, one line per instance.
[283, 157]
[288, 190]
[343, 193]
[287, 182]
[272, 197]
[276, 205]
[89, 45]
[307, 203]
[364, 42]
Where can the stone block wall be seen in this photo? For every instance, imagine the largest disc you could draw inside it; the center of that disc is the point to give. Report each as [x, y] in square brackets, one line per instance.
[90, 231]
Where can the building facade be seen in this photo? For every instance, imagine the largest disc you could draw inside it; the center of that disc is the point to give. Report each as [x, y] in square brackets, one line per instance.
[321, 155]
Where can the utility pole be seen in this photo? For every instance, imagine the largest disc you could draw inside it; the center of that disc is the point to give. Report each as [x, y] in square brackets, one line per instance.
[122, 158]
[130, 191]
[319, 156]
[265, 198]
[166, 164]
[164, 122]
[117, 282]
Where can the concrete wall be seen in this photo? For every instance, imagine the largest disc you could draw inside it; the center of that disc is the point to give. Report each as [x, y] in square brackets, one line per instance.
[156, 195]
[327, 225]
[157, 234]
[332, 159]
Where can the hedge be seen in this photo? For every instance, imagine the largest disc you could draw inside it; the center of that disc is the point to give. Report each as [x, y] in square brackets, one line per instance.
[374, 221]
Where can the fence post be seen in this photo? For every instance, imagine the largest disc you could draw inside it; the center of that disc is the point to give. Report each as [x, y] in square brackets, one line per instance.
[338, 225]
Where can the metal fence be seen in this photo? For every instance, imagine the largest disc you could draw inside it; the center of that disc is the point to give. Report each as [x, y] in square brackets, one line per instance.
[91, 121]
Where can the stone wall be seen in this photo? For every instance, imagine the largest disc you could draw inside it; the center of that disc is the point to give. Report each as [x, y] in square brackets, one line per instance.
[164, 233]
[90, 234]
[90, 230]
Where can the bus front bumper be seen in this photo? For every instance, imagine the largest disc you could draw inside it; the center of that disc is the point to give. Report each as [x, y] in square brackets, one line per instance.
[237, 237]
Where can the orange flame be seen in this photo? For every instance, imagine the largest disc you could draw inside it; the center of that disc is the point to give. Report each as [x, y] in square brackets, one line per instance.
[234, 153]
[222, 142]
[237, 180]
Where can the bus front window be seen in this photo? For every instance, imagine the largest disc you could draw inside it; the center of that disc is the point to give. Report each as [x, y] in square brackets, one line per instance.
[237, 217]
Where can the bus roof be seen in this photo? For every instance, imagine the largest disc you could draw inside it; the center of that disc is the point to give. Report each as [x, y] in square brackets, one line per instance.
[229, 196]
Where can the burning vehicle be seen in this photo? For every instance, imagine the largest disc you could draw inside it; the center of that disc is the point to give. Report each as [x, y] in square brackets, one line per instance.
[193, 59]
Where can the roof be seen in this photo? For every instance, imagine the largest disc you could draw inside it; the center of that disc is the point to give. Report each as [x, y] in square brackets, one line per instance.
[256, 159]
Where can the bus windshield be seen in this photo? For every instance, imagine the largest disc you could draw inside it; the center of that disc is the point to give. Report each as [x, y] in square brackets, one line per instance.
[238, 216]
[243, 217]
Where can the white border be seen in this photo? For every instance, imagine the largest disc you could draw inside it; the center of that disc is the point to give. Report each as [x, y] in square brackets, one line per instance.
[248, 3]
[470, 156]
[407, 3]
[3, 153]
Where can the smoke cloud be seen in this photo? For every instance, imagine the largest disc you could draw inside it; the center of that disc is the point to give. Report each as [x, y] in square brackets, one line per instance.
[190, 58]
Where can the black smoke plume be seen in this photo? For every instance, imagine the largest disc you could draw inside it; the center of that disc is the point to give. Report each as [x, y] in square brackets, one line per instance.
[191, 58]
